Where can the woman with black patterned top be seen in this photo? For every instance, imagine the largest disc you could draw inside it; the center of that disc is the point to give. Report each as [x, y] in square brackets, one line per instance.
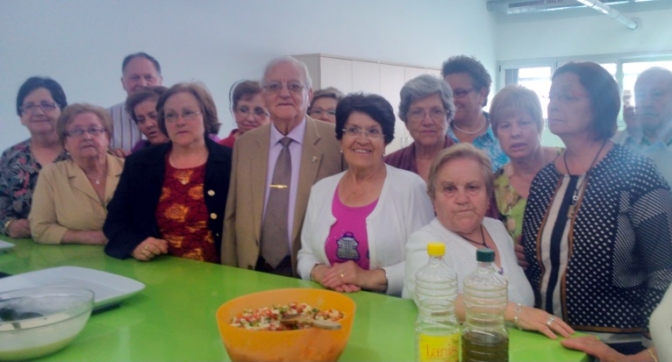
[597, 230]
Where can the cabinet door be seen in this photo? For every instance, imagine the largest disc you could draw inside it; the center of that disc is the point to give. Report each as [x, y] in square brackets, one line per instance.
[365, 77]
[391, 81]
[412, 72]
[336, 73]
[434, 72]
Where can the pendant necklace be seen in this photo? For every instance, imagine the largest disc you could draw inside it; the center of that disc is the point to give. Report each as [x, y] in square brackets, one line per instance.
[575, 196]
[482, 243]
[94, 180]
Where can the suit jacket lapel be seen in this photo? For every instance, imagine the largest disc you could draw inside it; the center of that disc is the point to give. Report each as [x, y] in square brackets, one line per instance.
[311, 158]
[154, 171]
[257, 160]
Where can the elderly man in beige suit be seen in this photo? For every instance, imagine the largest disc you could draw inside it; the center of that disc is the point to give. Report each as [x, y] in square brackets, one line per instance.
[274, 167]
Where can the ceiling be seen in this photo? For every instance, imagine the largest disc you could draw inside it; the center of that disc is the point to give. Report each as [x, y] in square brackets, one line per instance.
[568, 7]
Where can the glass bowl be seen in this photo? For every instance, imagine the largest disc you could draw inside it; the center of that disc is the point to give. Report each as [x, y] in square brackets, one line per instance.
[38, 321]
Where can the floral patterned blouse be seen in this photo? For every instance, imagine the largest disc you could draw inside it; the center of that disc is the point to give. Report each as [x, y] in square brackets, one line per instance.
[182, 214]
[488, 143]
[18, 175]
[510, 204]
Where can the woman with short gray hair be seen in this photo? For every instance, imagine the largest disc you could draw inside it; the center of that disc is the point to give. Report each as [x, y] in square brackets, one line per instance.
[426, 107]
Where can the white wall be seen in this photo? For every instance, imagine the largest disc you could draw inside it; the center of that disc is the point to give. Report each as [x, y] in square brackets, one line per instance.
[81, 43]
[583, 32]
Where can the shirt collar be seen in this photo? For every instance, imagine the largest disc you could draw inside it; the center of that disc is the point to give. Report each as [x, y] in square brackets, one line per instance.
[296, 134]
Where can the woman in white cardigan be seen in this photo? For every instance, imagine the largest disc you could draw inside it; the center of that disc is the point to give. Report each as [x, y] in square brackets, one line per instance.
[358, 221]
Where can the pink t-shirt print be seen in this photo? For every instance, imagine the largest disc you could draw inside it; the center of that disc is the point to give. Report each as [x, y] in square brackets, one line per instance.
[348, 239]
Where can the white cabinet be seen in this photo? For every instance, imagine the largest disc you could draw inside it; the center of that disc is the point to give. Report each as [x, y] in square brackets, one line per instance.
[391, 80]
[368, 76]
[333, 73]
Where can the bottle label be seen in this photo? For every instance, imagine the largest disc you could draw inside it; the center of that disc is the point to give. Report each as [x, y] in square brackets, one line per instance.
[439, 348]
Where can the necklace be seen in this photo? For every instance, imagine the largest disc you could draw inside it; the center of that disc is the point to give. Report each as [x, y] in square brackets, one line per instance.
[482, 243]
[575, 195]
[467, 132]
[95, 180]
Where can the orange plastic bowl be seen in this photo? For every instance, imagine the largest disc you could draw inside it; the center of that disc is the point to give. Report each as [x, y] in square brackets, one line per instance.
[310, 344]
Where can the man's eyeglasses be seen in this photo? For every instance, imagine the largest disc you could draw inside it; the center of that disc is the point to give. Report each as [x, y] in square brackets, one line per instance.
[187, 115]
[44, 106]
[418, 115]
[78, 132]
[654, 95]
[276, 87]
[372, 133]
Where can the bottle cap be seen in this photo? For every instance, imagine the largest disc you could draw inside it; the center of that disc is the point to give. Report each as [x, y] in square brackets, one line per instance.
[436, 248]
[485, 255]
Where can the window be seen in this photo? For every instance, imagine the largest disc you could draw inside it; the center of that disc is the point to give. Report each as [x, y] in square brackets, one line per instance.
[536, 75]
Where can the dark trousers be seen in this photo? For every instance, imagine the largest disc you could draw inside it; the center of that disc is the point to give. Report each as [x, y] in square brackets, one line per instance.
[284, 268]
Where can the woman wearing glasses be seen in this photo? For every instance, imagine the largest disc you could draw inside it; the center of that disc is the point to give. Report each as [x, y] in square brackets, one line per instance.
[323, 105]
[171, 196]
[71, 197]
[38, 104]
[249, 110]
[426, 107]
[358, 221]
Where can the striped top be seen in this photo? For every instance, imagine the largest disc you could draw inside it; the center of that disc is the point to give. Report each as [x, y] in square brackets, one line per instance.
[125, 132]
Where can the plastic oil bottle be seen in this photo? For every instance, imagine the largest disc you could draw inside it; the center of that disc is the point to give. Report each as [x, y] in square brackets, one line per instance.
[436, 328]
[484, 336]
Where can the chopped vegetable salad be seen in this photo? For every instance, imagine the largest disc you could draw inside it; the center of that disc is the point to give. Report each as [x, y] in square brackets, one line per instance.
[268, 318]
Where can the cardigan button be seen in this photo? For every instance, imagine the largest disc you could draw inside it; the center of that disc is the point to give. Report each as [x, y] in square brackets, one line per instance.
[211, 193]
[213, 216]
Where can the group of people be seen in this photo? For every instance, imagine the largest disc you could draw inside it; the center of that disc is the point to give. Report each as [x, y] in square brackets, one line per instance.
[303, 187]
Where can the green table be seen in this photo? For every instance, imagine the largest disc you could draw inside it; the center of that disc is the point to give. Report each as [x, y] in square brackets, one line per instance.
[174, 317]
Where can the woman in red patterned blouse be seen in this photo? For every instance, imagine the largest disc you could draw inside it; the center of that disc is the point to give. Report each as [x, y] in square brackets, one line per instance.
[179, 189]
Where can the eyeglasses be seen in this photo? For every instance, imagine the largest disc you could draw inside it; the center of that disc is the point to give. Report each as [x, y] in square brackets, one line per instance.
[276, 87]
[187, 115]
[419, 114]
[372, 133]
[654, 95]
[319, 112]
[461, 93]
[44, 106]
[257, 111]
[78, 132]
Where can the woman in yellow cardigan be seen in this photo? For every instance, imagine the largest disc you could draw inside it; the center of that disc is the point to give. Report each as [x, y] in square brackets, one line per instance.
[71, 197]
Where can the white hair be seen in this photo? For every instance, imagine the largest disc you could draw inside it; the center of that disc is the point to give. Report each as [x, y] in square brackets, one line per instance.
[289, 59]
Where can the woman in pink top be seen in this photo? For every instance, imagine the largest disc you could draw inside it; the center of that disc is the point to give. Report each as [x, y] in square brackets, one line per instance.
[358, 221]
